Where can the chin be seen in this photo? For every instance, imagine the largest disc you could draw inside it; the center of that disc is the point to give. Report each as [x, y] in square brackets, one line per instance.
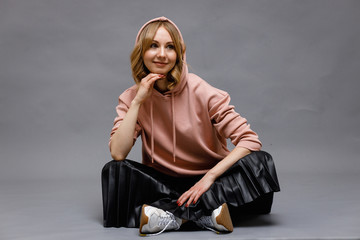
[158, 71]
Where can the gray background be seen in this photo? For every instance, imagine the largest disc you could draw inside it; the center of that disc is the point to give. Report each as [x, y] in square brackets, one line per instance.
[291, 67]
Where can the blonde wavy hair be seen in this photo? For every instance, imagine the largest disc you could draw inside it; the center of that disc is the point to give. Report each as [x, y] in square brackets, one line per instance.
[139, 70]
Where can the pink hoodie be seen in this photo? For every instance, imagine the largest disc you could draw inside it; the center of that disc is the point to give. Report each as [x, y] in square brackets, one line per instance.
[184, 130]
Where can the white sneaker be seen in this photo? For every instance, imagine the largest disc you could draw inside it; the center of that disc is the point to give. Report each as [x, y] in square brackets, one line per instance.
[155, 221]
[219, 221]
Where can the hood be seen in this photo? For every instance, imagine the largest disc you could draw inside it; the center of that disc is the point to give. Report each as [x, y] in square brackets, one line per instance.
[169, 94]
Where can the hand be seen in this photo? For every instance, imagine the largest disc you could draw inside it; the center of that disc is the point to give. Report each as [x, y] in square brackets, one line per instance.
[146, 86]
[195, 192]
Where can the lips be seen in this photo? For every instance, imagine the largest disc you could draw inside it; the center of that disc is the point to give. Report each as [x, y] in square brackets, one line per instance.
[161, 64]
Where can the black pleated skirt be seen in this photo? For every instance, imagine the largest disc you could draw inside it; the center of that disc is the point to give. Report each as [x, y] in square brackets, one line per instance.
[247, 187]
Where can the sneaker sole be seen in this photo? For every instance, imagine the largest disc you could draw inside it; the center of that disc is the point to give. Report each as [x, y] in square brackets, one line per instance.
[143, 219]
[224, 218]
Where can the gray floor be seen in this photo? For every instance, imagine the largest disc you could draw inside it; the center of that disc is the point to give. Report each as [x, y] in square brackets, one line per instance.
[310, 206]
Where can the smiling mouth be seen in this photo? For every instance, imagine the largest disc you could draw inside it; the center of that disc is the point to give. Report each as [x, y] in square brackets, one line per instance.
[160, 63]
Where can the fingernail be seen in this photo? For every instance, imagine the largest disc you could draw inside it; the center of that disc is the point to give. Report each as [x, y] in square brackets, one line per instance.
[178, 203]
[194, 202]
[187, 205]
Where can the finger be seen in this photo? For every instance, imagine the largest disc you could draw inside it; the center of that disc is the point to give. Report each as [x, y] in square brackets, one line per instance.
[197, 197]
[182, 199]
[190, 200]
[149, 81]
[147, 84]
[153, 79]
[147, 77]
[152, 76]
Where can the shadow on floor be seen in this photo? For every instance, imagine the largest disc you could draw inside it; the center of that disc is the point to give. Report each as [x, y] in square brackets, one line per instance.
[262, 220]
[241, 221]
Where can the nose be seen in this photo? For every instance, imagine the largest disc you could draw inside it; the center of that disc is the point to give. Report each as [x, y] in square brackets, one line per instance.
[161, 52]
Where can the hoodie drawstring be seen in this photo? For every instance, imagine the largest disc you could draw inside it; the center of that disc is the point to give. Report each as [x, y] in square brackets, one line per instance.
[173, 127]
[152, 131]
[173, 124]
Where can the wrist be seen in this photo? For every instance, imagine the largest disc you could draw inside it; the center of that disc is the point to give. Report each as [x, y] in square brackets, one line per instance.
[135, 103]
[211, 175]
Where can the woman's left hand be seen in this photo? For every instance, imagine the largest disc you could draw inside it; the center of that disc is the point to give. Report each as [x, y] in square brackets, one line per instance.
[195, 192]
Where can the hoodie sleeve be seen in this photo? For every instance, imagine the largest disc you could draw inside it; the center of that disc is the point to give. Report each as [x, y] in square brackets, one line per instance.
[121, 109]
[230, 124]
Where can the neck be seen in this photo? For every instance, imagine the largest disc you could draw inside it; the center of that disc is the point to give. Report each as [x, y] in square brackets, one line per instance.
[161, 85]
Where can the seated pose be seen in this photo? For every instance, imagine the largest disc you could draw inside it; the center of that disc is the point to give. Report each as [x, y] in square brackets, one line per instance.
[187, 171]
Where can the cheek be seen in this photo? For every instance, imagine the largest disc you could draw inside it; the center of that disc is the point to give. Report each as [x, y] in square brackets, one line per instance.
[147, 58]
[148, 55]
[172, 58]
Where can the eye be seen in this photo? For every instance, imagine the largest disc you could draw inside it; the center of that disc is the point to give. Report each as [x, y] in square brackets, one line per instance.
[170, 46]
[153, 45]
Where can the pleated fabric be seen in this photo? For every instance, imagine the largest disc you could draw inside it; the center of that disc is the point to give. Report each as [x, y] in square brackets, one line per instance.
[247, 187]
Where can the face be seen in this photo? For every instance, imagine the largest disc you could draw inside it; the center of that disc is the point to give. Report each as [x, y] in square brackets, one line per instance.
[161, 56]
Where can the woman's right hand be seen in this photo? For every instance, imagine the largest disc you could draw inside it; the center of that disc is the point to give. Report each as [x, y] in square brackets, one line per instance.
[123, 138]
[146, 86]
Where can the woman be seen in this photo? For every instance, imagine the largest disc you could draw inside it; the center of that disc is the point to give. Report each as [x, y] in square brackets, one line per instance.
[188, 173]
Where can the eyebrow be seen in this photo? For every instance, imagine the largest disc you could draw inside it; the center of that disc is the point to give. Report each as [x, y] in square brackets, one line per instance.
[166, 43]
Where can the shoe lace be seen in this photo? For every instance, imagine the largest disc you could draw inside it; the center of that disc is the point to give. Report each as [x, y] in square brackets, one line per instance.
[207, 223]
[168, 220]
